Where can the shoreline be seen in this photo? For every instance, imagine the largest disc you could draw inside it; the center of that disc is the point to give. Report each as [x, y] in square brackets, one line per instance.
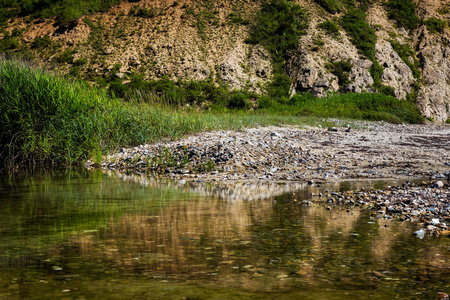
[316, 156]
[370, 150]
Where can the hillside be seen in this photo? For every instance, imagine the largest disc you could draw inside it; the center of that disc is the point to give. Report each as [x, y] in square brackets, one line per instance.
[279, 48]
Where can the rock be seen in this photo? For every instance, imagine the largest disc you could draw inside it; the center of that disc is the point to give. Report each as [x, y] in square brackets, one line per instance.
[276, 134]
[420, 233]
[120, 75]
[435, 221]
[438, 184]
[396, 72]
[431, 228]
[109, 50]
[361, 80]
[311, 77]
[334, 129]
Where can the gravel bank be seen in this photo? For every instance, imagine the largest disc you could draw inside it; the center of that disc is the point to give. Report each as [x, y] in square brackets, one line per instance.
[374, 150]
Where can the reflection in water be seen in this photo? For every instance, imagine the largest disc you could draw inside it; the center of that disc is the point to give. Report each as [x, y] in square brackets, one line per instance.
[87, 234]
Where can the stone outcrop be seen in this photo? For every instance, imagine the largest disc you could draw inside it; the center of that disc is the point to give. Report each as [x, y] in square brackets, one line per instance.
[361, 80]
[434, 93]
[311, 77]
[237, 74]
[396, 72]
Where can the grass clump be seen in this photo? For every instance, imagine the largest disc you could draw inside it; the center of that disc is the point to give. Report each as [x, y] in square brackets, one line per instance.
[331, 6]
[41, 42]
[330, 27]
[435, 25]
[341, 69]
[404, 13]
[10, 41]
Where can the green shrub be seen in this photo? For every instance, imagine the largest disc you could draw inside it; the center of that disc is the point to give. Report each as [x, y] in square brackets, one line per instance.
[301, 99]
[331, 6]
[41, 42]
[65, 57]
[9, 40]
[341, 69]
[80, 62]
[361, 34]
[373, 107]
[330, 27]
[118, 89]
[404, 13]
[236, 18]
[145, 12]
[435, 25]
[65, 11]
[278, 27]
[364, 38]
[239, 101]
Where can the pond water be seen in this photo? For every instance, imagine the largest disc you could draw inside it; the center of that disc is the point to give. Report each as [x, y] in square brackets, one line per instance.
[105, 235]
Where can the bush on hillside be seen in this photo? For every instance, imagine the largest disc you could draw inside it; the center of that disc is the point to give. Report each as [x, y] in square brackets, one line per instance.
[404, 13]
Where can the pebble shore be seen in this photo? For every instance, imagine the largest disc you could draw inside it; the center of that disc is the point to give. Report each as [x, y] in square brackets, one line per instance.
[363, 150]
[376, 150]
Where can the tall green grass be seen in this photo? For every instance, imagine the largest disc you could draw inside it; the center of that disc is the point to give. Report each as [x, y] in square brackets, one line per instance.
[374, 107]
[46, 119]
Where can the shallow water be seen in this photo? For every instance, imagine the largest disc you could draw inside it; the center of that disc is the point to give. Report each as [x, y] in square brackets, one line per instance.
[104, 235]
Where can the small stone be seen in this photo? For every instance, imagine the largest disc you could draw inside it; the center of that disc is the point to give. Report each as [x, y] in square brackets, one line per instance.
[438, 184]
[120, 75]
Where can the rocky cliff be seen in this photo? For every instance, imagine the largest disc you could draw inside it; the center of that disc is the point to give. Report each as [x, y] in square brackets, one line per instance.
[197, 40]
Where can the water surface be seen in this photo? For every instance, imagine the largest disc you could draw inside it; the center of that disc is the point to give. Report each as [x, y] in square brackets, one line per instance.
[104, 235]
